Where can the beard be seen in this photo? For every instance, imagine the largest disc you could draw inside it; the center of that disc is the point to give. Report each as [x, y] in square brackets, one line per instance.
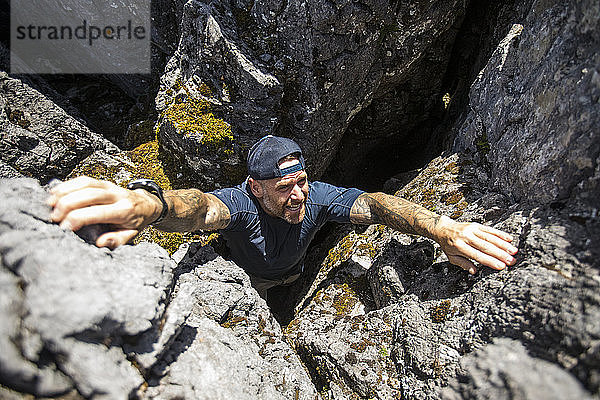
[283, 210]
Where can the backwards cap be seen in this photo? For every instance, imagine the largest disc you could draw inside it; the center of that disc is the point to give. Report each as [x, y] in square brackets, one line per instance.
[264, 156]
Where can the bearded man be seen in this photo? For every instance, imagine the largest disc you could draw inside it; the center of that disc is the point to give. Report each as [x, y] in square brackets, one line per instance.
[270, 219]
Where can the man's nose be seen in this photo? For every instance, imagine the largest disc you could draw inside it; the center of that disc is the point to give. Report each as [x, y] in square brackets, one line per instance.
[296, 193]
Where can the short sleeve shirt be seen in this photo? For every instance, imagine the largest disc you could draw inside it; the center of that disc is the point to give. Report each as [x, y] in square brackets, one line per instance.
[270, 247]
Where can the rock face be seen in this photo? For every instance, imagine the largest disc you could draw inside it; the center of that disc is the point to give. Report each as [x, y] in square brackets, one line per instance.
[534, 108]
[504, 370]
[298, 69]
[39, 139]
[543, 193]
[385, 316]
[230, 345]
[68, 307]
[131, 322]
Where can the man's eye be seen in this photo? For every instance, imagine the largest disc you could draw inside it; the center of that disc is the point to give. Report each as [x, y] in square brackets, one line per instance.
[301, 182]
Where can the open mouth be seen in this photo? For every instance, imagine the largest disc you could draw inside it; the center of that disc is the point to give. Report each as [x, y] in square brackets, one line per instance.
[293, 208]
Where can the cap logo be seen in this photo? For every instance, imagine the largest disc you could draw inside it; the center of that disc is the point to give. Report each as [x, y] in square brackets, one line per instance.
[291, 169]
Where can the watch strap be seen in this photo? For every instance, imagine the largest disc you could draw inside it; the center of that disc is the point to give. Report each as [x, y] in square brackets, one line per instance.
[151, 187]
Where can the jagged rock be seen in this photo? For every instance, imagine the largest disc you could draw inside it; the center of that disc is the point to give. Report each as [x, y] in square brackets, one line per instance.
[230, 345]
[110, 324]
[6, 171]
[347, 350]
[214, 364]
[39, 139]
[550, 300]
[504, 370]
[396, 267]
[534, 111]
[299, 69]
[69, 306]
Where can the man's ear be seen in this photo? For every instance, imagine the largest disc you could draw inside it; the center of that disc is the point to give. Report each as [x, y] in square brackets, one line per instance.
[256, 188]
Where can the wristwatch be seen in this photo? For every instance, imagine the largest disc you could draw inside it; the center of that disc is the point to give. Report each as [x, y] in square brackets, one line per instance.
[151, 187]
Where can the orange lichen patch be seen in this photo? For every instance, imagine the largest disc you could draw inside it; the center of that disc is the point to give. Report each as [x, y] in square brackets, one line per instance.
[440, 312]
[452, 197]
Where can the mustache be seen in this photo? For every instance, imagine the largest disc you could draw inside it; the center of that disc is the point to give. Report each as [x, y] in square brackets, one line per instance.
[295, 203]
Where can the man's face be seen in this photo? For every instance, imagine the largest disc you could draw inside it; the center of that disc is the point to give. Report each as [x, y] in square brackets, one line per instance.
[285, 197]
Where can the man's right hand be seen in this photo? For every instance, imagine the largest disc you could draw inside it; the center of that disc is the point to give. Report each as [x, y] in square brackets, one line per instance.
[84, 201]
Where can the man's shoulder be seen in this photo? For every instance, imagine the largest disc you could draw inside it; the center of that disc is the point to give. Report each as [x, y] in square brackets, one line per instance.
[319, 186]
[327, 189]
[237, 198]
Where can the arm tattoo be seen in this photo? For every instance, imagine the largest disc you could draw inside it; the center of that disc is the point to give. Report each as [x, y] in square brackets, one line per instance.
[191, 210]
[395, 212]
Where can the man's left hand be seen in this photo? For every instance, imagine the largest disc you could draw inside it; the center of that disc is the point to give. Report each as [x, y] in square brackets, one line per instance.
[464, 242]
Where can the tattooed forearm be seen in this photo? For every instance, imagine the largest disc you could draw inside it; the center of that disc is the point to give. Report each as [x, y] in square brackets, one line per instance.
[395, 212]
[191, 210]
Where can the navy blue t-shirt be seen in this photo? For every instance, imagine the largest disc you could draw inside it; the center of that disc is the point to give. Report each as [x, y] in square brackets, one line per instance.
[269, 247]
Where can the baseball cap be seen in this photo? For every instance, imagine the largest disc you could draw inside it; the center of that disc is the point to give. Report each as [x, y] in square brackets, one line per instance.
[264, 156]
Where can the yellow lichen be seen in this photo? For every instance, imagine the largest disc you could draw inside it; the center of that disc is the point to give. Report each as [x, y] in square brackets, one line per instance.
[351, 244]
[230, 323]
[141, 132]
[453, 168]
[145, 156]
[18, 117]
[95, 170]
[345, 300]
[205, 90]
[452, 197]
[446, 100]
[145, 163]
[482, 144]
[193, 117]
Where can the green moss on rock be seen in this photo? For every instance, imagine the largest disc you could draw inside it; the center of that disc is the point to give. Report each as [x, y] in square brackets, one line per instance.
[144, 161]
[193, 117]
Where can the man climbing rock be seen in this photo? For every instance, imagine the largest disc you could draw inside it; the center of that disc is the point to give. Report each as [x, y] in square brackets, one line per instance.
[269, 219]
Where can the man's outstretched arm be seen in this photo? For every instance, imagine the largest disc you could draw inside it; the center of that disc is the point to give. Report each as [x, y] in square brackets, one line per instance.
[84, 201]
[462, 242]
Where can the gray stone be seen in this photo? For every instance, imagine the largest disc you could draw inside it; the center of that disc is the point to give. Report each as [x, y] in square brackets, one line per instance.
[327, 62]
[396, 267]
[23, 374]
[348, 350]
[213, 364]
[39, 139]
[222, 295]
[549, 301]
[113, 324]
[77, 305]
[504, 370]
[6, 171]
[534, 111]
